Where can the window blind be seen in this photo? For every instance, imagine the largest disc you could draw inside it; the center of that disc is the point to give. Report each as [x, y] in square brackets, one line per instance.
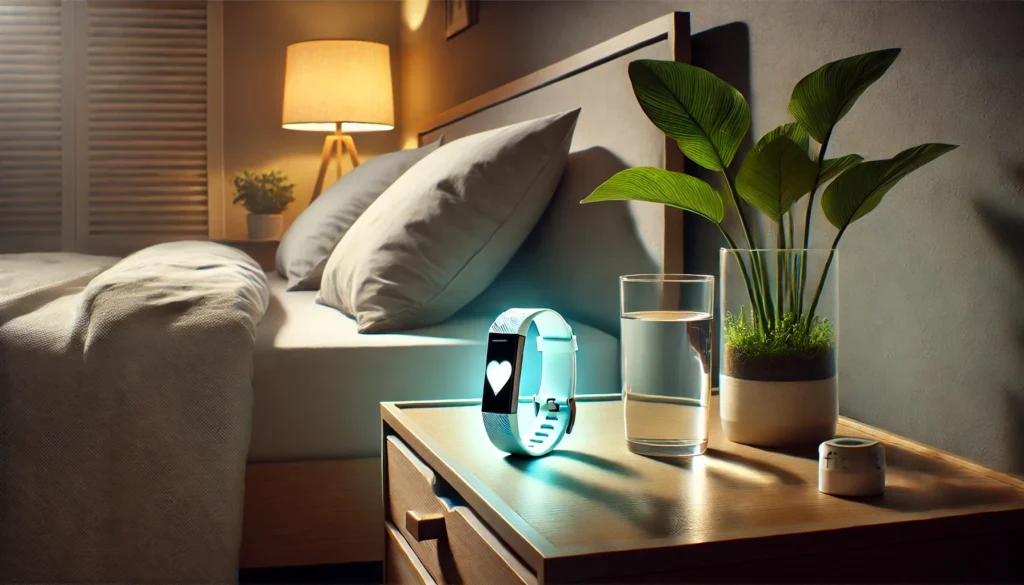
[31, 126]
[142, 124]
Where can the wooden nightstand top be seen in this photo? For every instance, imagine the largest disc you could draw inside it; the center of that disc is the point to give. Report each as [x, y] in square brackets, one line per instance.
[263, 251]
[592, 498]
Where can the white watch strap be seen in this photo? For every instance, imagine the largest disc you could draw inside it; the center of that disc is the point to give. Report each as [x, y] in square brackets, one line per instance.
[555, 400]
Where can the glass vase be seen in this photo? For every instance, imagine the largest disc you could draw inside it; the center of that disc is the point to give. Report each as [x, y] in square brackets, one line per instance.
[778, 342]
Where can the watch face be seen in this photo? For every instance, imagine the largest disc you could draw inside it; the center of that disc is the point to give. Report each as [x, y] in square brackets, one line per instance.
[504, 363]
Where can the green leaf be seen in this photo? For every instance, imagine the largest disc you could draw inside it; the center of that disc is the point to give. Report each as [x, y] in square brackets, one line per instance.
[775, 176]
[660, 186]
[860, 189]
[726, 196]
[793, 130]
[823, 97]
[706, 116]
[833, 166]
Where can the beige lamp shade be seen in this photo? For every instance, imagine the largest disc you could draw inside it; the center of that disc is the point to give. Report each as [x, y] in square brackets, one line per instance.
[338, 81]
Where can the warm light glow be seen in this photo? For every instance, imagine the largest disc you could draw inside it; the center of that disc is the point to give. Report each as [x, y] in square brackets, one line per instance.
[414, 12]
[327, 82]
[410, 143]
[739, 472]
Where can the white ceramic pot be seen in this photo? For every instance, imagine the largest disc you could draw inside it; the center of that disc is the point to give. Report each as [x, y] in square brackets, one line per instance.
[778, 414]
[265, 226]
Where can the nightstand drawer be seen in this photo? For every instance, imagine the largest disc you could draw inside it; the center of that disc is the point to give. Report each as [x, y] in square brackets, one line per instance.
[452, 543]
[401, 567]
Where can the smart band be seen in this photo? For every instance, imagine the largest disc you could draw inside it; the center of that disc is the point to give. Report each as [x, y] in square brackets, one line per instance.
[554, 405]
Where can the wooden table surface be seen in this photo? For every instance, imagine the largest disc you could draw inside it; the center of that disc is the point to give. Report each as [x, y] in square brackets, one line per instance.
[263, 251]
[593, 495]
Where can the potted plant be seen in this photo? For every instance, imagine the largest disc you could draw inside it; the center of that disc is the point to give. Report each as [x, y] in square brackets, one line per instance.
[779, 332]
[265, 196]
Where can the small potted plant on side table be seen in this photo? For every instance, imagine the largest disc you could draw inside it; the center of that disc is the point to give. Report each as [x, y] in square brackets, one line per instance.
[265, 196]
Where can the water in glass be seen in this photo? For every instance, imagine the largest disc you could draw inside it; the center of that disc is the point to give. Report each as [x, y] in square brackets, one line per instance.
[666, 368]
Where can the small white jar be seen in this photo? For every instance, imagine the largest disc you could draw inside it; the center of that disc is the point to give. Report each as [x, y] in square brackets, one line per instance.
[851, 467]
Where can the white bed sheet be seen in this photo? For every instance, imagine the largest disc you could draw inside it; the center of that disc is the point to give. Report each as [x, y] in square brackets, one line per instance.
[318, 382]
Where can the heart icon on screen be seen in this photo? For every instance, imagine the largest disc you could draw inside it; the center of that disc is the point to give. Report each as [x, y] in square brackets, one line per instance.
[498, 375]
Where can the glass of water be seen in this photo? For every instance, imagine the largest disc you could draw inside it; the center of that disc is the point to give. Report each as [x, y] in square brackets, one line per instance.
[666, 362]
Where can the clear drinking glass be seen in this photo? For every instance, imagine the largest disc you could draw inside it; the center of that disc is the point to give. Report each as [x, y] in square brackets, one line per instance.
[666, 362]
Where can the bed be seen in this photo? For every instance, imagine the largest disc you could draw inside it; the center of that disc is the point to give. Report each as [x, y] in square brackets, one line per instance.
[313, 493]
[316, 377]
[125, 401]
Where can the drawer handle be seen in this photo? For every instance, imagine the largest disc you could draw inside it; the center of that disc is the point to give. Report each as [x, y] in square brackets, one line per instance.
[424, 526]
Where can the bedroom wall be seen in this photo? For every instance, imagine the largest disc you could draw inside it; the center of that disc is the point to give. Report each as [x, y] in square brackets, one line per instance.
[256, 34]
[932, 342]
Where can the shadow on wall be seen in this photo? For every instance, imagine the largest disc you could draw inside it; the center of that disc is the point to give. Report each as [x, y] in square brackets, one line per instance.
[572, 259]
[1007, 229]
[724, 51]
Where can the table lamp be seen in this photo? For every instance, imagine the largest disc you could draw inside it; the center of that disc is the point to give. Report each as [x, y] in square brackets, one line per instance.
[337, 86]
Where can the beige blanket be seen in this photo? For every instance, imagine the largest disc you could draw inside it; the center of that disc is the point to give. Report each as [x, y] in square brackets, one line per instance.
[125, 401]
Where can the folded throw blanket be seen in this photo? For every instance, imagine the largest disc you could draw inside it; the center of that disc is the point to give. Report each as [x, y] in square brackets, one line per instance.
[125, 402]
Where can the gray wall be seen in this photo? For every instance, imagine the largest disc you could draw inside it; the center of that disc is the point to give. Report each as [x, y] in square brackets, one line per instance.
[932, 330]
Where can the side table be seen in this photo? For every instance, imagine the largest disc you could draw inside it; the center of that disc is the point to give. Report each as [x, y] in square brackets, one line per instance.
[262, 251]
[457, 510]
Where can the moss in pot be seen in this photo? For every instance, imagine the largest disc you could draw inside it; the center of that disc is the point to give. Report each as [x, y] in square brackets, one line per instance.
[748, 355]
[778, 374]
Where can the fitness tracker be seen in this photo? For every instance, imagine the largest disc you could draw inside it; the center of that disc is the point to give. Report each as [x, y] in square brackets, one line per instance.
[554, 404]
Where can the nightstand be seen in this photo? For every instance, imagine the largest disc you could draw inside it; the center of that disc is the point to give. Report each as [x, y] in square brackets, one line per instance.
[263, 251]
[457, 510]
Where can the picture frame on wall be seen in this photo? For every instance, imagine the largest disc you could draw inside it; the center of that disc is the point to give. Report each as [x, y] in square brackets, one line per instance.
[459, 15]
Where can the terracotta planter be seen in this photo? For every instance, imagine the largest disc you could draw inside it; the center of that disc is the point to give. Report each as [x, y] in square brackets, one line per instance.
[265, 226]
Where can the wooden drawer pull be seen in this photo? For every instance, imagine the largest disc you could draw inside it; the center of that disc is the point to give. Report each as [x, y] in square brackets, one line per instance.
[424, 526]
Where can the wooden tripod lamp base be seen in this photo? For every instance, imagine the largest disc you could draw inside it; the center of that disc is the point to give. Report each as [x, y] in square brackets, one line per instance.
[336, 146]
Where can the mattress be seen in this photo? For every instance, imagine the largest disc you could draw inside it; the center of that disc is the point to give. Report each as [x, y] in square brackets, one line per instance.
[318, 382]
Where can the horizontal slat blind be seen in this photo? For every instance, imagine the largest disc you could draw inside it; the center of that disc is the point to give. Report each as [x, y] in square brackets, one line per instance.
[31, 125]
[146, 130]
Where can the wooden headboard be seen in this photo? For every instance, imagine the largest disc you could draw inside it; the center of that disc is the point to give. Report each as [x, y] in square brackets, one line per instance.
[572, 260]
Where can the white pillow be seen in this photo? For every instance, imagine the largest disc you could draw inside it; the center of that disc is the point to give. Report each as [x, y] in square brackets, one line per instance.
[308, 243]
[443, 231]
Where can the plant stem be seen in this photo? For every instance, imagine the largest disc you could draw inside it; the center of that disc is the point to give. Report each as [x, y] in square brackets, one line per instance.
[766, 289]
[754, 299]
[792, 240]
[760, 283]
[807, 221]
[780, 289]
[821, 282]
[792, 265]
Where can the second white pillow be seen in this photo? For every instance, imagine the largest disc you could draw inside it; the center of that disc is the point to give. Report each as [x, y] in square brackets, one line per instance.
[443, 231]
